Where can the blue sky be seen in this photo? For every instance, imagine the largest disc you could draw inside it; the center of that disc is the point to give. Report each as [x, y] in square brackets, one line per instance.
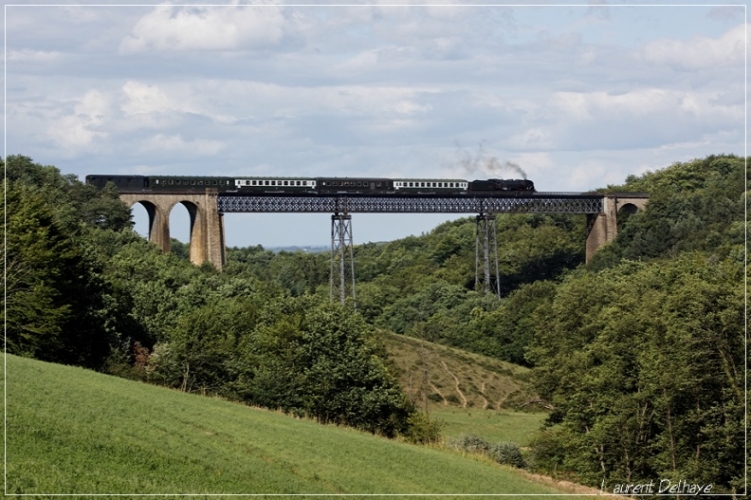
[579, 95]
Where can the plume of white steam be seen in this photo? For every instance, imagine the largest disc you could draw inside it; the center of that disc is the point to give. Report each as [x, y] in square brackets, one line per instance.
[486, 164]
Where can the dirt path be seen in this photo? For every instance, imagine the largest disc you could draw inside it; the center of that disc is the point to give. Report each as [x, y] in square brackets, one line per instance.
[485, 403]
[569, 486]
[456, 380]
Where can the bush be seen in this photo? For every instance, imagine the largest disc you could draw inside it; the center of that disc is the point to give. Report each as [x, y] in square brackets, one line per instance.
[422, 430]
[502, 453]
[507, 454]
[471, 444]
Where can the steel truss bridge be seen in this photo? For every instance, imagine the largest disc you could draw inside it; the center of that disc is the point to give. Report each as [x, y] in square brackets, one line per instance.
[342, 273]
[550, 203]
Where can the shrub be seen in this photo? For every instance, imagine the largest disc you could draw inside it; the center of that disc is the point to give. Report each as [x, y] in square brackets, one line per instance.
[471, 443]
[422, 430]
[507, 454]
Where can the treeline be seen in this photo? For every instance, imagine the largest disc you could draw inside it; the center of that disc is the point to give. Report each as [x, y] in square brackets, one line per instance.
[84, 289]
[641, 353]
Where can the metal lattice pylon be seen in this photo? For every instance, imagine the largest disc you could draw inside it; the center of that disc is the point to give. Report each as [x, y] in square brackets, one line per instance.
[342, 259]
[486, 250]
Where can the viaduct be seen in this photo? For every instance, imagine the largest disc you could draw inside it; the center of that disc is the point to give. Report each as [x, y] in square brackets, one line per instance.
[206, 209]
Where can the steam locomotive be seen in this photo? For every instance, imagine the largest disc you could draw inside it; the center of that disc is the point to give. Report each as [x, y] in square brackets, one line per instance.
[315, 186]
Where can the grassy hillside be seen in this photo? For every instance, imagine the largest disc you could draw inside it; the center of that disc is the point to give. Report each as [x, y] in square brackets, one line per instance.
[469, 393]
[455, 378]
[76, 431]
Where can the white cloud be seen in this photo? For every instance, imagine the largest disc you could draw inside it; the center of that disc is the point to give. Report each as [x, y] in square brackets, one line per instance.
[205, 28]
[36, 56]
[78, 130]
[698, 53]
[642, 103]
[200, 147]
[598, 172]
[533, 163]
[144, 99]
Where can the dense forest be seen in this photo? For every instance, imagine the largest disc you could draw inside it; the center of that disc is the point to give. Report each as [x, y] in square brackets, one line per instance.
[640, 353]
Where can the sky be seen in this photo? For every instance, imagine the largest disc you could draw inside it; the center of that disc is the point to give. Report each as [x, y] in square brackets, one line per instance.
[577, 95]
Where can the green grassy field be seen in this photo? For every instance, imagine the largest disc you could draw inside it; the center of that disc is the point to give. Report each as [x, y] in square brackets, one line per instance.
[75, 431]
[493, 425]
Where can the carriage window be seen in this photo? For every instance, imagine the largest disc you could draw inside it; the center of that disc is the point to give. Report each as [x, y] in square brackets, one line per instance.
[304, 183]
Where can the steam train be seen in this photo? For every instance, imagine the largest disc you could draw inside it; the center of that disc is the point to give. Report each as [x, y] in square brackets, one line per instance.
[315, 186]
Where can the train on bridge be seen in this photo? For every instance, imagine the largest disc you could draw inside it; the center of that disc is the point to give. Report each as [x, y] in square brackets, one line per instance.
[314, 186]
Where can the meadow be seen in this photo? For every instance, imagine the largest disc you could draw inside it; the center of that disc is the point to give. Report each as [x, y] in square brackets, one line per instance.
[74, 431]
[493, 425]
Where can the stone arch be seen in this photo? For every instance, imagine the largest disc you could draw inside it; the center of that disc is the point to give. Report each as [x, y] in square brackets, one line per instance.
[158, 222]
[206, 222]
[197, 230]
[628, 209]
[602, 228]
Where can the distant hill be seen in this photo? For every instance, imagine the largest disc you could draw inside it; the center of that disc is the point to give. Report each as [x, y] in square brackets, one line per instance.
[305, 249]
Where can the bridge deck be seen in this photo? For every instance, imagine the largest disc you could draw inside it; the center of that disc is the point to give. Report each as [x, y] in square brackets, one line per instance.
[561, 203]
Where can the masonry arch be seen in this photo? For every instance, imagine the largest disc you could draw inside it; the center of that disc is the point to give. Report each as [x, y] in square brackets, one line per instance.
[158, 223]
[206, 222]
[627, 209]
[196, 229]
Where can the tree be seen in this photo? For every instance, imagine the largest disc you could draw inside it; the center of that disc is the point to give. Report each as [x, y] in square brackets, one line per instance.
[641, 363]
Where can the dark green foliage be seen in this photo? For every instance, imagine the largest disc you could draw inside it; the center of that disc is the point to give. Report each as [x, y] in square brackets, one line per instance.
[698, 205]
[296, 272]
[59, 307]
[422, 430]
[300, 356]
[643, 363]
[508, 329]
[507, 454]
[179, 249]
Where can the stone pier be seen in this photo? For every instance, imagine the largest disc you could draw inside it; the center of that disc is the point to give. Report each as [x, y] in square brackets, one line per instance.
[602, 228]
